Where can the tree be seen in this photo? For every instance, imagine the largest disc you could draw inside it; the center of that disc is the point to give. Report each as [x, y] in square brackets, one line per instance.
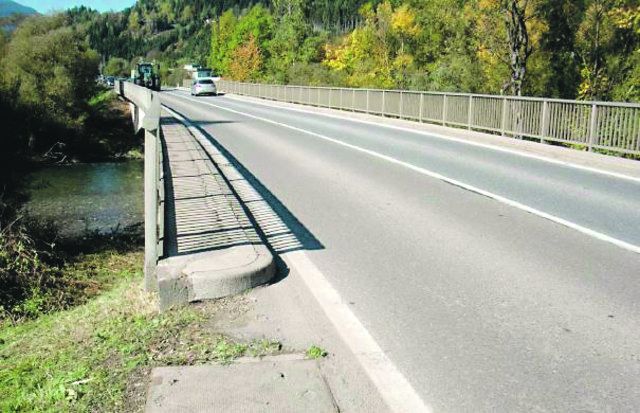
[595, 35]
[116, 66]
[404, 26]
[54, 72]
[222, 41]
[246, 61]
[509, 30]
[288, 37]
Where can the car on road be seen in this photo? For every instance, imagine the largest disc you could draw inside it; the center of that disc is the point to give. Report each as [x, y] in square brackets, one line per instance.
[204, 86]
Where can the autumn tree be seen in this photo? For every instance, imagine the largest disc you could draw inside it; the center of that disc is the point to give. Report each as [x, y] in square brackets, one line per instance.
[246, 61]
[405, 27]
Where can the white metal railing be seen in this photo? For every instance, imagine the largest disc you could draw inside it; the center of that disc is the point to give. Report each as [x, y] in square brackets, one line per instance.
[594, 125]
[146, 115]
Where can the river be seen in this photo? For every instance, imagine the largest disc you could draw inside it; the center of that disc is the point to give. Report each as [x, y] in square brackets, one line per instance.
[89, 197]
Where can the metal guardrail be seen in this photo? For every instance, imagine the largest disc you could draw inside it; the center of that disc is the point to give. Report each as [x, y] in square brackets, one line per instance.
[146, 115]
[594, 125]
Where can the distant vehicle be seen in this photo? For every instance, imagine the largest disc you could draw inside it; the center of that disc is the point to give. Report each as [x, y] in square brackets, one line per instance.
[204, 86]
[110, 80]
[147, 74]
[198, 72]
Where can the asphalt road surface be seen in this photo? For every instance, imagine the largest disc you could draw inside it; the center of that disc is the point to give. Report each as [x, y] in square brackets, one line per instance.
[480, 304]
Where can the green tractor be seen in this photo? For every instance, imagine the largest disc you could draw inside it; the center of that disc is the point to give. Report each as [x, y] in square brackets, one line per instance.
[147, 74]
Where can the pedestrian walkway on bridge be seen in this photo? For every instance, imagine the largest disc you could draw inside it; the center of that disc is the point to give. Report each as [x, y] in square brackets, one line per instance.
[211, 249]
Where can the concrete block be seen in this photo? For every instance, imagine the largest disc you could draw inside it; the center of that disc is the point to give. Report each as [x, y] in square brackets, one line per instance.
[260, 386]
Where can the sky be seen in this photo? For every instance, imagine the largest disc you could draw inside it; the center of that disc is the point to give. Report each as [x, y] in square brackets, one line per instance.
[46, 6]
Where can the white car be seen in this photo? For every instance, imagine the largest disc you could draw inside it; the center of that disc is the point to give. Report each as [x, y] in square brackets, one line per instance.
[203, 86]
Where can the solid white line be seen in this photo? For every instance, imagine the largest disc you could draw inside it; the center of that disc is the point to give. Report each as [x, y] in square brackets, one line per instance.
[459, 140]
[394, 388]
[423, 171]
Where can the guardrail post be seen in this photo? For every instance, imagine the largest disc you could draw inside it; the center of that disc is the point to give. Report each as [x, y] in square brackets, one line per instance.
[341, 93]
[401, 103]
[593, 130]
[545, 120]
[367, 100]
[330, 96]
[470, 115]
[382, 112]
[421, 106]
[353, 100]
[503, 127]
[444, 110]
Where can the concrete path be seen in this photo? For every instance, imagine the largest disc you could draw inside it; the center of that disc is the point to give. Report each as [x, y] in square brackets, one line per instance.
[271, 385]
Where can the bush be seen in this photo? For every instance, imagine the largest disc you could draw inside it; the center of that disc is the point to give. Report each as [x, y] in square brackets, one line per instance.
[39, 272]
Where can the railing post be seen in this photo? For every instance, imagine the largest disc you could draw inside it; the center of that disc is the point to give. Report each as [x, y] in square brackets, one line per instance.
[367, 100]
[545, 120]
[470, 115]
[353, 100]
[341, 105]
[383, 103]
[330, 96]
[503, 127]
[401, 104]
[593, 132]
[444, 110]
[421, 106]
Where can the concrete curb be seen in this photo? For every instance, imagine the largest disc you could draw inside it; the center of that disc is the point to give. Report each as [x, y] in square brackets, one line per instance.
[219, 272]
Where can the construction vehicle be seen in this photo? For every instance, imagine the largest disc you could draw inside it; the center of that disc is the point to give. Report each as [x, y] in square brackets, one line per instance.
[147, 74]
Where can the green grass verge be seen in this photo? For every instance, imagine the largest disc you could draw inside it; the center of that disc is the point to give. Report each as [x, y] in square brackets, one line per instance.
[83, 359]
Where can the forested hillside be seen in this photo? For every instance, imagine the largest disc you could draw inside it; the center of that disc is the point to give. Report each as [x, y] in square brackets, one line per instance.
[587, 49]
[584, 49]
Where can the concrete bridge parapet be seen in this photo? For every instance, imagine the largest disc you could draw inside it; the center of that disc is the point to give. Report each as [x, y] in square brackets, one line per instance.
[199, 242]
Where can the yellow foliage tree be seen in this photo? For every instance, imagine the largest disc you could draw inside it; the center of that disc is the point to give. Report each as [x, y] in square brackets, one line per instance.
[509, 32]
[246, 60]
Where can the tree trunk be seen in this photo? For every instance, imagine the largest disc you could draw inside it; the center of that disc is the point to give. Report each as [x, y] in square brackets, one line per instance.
[518, 41]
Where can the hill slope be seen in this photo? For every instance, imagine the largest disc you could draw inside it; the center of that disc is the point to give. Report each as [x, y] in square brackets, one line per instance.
[8, 8]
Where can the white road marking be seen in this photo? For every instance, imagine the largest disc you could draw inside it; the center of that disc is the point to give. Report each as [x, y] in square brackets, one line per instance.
[465, 142]
[590, 232]
[394, 388]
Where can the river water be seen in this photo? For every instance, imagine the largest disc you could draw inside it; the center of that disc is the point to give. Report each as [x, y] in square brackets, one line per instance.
[89, 197]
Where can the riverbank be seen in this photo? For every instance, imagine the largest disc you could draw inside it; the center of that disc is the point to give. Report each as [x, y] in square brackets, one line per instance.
[97, 356]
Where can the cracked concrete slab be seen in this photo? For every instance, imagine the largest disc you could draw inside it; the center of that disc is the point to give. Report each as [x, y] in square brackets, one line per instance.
[273, 385]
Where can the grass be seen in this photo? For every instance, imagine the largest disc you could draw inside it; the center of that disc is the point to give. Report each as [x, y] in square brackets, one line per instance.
[83, 359]
[315, 352]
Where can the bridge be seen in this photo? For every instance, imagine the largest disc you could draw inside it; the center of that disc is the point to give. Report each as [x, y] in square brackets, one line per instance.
[495, 272]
